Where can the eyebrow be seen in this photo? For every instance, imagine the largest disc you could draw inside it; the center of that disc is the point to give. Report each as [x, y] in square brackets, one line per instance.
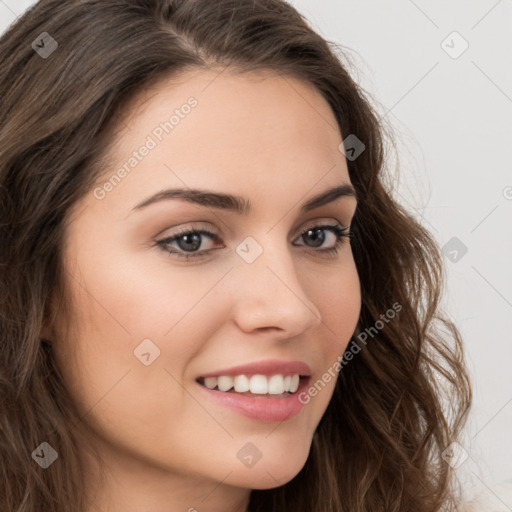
[241, 205]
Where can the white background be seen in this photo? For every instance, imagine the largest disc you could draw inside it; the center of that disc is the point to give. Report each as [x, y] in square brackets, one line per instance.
[453, 117]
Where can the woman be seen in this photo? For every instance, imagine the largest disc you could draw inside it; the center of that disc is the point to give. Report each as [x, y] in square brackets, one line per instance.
[210, 300]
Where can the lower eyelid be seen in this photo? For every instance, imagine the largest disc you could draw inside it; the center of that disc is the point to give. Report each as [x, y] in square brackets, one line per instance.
[179, 253]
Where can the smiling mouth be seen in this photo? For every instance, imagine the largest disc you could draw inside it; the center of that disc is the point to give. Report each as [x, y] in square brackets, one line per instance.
[256, 386]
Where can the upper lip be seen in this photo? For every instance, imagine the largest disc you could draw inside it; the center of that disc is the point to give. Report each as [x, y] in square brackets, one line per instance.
[267, 367]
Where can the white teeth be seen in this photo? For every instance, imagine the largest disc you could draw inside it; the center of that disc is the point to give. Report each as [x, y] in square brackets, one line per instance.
[256, 384]
[294, 383]
[276, 385]
[241, 384]
[225, 383]
[210, 382]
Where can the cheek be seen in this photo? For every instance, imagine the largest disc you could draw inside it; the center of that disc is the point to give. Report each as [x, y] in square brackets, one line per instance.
[125, 308]
[337, 295]
[127, 297]
[120, 398]
[338, 298]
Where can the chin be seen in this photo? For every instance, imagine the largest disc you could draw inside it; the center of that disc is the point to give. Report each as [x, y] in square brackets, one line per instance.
[266, 481]
[274, 472]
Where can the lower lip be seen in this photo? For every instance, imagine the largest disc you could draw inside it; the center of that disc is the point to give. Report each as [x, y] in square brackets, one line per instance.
[261, 408]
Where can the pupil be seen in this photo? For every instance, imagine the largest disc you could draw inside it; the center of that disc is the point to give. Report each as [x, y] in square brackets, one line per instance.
[194, 239]
[318, 239]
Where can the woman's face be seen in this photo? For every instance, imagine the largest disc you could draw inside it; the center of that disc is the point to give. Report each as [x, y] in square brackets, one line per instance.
[147, 323]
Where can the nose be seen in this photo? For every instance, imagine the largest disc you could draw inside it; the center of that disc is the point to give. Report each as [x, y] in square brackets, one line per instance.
[269, 296]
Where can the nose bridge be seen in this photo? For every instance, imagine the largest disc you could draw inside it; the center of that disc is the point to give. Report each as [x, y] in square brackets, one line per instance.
[270, 293]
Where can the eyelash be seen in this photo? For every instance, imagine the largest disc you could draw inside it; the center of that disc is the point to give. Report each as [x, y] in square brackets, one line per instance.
[339, 231]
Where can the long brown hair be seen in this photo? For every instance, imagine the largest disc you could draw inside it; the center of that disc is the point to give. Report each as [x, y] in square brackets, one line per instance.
[379, 445]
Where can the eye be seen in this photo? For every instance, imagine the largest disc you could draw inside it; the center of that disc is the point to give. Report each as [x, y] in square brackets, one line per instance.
[339, 235]
[190, 240]
[187, 240]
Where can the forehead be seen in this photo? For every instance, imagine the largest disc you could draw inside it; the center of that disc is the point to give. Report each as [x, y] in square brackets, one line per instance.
[243, 132]
[212, 110]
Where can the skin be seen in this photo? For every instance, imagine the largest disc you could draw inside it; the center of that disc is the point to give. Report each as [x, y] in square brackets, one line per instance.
[166, 446]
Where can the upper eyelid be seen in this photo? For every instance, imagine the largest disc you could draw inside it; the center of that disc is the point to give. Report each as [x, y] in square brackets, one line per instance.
[216, 237]
[338, 230]
[196, 226]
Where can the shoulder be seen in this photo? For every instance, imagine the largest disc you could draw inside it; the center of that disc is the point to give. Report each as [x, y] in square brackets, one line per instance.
[497, 499]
